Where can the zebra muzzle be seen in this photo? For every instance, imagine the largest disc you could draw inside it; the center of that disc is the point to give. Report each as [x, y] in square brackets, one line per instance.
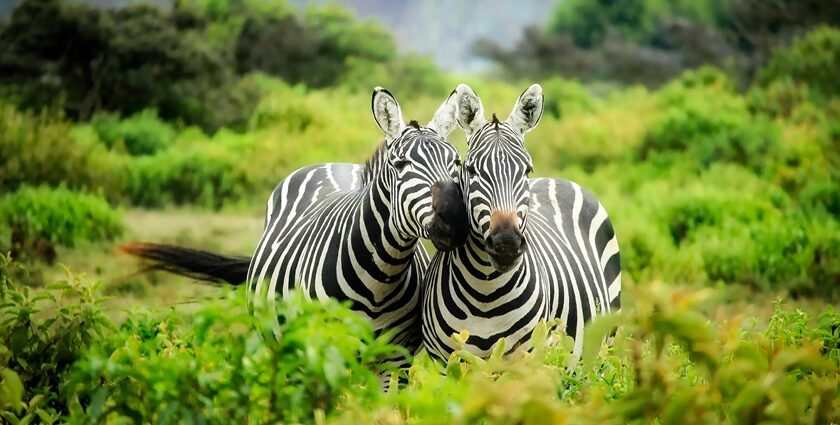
[448, 229]
[505, 248]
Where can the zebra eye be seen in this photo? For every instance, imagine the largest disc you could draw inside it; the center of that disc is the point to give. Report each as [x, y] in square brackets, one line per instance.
[470, 169]
[457, 162]
[401, 163]
[529, 170]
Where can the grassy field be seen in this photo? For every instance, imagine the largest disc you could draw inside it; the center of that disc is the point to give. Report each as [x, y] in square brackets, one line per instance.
[236, 233]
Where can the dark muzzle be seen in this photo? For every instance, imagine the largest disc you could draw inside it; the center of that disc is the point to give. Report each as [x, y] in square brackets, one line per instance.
[505, 247]
[449, 224]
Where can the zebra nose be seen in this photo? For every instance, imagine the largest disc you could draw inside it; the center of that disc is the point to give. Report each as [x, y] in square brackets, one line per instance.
[507, 243]
[448, 229]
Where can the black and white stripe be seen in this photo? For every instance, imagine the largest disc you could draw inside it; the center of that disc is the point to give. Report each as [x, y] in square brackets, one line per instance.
[538, 249]
[350, 232]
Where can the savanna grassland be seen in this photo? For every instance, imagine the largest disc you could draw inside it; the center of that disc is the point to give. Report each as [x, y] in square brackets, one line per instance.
[722, 180]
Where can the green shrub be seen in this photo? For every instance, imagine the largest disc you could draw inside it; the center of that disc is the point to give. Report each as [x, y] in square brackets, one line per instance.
[208, 175]
[668, 365]
[41, 148]
[42, 335]
[793, 252]
[140, 134]
[564, 96]
[812, 60]
[285, 105]
[406, 74]
[234, 370]
[60, 358]
[709, 124]
[39, 218]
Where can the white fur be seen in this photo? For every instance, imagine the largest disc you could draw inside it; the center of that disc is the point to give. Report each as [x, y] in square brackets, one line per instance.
[469, 111]
[387, 113]
[528, 109]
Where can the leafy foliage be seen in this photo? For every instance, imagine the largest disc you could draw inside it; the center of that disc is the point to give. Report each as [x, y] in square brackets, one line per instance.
[709, 132]
[39, 149]
[140, 134]
[652, 41]
[668, 364]
[42, 335]
[809, 61]
[40, 218]
[189, 63]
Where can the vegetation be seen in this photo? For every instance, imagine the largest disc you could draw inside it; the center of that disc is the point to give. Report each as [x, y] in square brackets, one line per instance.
[62, 359]
[723, 182]
[652, 41]
[188, 63]
[38, 219]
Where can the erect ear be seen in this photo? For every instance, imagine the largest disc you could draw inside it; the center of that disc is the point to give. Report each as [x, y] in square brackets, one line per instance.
[528, 110]
[443, 122]
[468, 111]
[387, 113]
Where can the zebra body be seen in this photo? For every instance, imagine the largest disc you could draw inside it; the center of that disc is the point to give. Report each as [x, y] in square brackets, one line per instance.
[569, 271]
[538, 249]
[350, 232]
[318, 221]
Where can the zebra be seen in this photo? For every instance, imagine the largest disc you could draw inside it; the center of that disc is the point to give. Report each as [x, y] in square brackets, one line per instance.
[538, 248]
[351, 232]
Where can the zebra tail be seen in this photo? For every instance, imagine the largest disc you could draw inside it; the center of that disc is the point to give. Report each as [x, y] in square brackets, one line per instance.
[197, 264]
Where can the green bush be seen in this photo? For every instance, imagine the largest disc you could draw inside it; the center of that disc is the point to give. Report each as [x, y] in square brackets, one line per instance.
[564, 96]
[42, 335]
[140, 134]
[40, 148]
[39, 218]
[233, 365]
[812, 60]
[669, 365]
[60, 358]
[404, 74]
[208, 175]
[709, 124]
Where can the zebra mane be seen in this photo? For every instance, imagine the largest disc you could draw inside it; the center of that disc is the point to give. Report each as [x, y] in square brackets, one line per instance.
[374, 163]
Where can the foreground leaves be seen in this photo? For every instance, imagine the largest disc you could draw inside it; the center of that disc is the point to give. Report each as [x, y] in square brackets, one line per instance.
[61, 360]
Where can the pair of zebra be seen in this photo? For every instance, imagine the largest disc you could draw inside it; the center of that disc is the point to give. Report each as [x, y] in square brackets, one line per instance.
[512, 251]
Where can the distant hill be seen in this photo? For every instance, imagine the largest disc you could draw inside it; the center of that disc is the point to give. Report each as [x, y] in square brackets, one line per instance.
[442, 29]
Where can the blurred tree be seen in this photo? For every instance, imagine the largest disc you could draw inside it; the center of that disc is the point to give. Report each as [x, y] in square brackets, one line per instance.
[341, 37]
[93, 60]
[651, 41]
[186, 62]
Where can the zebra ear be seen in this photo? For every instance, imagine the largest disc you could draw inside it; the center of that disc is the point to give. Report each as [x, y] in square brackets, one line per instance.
[528, 110]
[468, 111]
[443, 122]
[387, 113]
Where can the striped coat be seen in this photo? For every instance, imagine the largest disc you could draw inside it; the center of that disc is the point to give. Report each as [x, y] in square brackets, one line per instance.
[538, 249]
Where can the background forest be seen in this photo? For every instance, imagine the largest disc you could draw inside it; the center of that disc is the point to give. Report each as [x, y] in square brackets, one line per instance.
[710, 130]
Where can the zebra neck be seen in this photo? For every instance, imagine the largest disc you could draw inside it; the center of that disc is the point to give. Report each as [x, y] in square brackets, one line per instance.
[478, 269]
[385, 253]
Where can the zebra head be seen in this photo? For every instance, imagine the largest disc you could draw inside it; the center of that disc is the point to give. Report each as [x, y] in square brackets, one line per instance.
[494, 178]
[422, 168]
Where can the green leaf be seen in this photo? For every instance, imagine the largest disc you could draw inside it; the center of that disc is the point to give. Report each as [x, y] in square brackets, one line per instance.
[33, 402]
[27, 419]
[11, 390]
[96, 403]
[498, 350]
[9, 416]
[595, 333]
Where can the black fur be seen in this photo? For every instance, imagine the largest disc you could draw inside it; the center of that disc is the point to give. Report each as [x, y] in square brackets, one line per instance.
[197, 264]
